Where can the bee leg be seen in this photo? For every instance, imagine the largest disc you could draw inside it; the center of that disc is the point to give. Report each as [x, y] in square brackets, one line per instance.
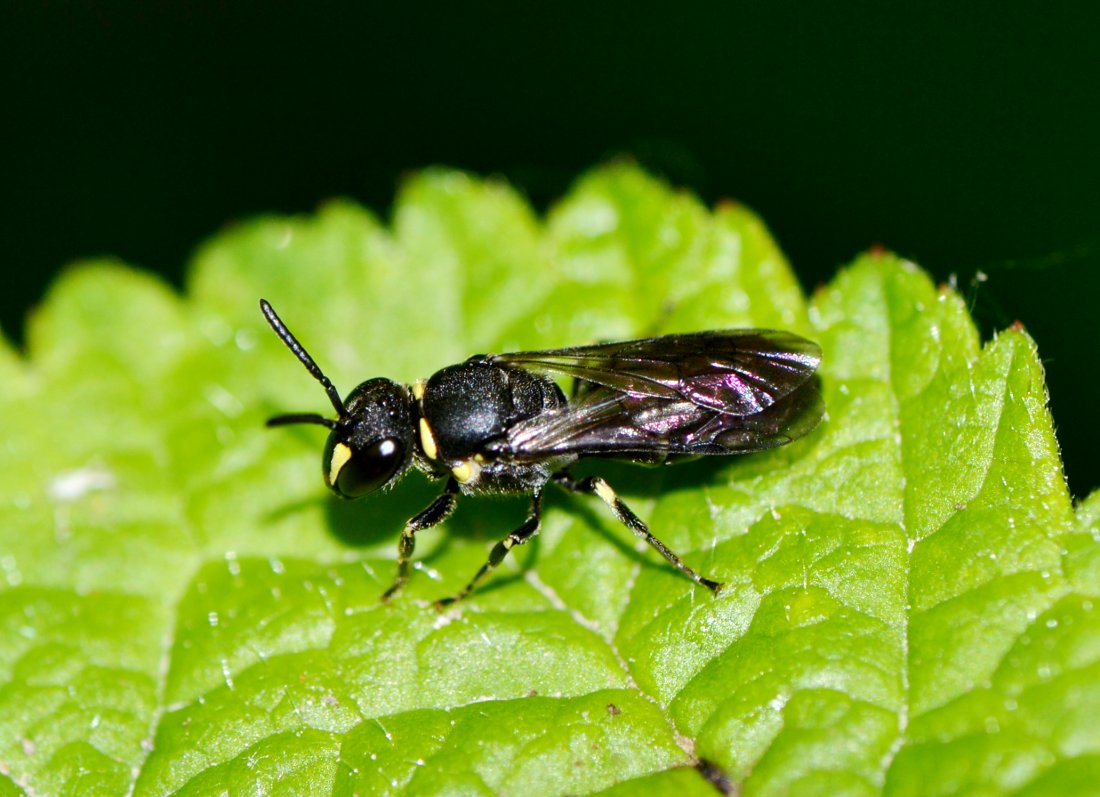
[521, 535]
[436, 513]
[594, 485]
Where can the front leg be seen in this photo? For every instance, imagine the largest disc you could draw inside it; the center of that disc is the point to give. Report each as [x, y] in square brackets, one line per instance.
[594, 485]
[436, 513]
[521, 535]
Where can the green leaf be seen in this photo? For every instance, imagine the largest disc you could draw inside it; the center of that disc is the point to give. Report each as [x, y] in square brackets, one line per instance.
[911, 604]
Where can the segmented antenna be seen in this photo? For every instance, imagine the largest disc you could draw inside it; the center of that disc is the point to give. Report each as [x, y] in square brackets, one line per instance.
[303, 356]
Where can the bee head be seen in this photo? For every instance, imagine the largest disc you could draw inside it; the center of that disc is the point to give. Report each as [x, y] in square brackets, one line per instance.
[370, 443]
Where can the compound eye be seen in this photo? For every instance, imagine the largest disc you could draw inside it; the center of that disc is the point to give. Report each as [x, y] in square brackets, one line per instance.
[353, 473]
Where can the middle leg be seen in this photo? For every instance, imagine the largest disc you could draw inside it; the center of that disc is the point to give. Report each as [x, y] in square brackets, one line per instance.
[521, 535]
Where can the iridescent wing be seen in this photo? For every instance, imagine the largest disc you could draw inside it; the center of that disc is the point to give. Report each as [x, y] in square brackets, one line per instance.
[695, 394]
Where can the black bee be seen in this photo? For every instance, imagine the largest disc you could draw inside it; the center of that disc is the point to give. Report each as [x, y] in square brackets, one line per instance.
[496, 424]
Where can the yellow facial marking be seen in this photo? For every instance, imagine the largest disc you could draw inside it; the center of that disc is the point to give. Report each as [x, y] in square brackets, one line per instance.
[418, 389]
[427, 441]
[466, 471]
[341, 453]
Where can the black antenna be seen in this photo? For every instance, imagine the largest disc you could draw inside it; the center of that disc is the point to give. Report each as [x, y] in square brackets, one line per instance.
[303, 356]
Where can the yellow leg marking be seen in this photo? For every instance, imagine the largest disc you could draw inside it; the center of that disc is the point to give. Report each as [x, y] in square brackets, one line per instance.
[466, 471]
[604, 491]
[427, 440]
[341, 453]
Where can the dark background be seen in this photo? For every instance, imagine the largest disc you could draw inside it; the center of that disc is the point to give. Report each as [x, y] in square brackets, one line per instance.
[963, 137]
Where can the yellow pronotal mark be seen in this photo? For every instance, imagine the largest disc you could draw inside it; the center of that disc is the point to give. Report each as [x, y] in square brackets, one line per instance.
[341, 453]
[466, 471]
[418, 389]
[604, 491]
[427, 441]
